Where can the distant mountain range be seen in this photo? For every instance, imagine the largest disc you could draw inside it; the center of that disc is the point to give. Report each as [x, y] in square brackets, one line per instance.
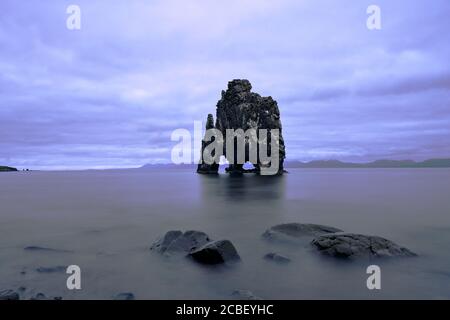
[430, 163]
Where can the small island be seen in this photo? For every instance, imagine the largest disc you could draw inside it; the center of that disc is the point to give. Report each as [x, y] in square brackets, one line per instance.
[7, 169]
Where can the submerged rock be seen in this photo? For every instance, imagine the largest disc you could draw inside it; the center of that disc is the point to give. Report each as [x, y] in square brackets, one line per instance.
[174, 242]
[239, 108]
[55, 269]
[9, 295]
[275, 257]
[295, 231]
[244, 295]
[124, 296]
[349, 245]
[216, 252]
[41, 296]
[44, 249]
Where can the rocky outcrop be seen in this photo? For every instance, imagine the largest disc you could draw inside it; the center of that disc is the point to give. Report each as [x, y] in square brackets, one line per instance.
[296, 231]
[216, 252]
[349, 245]
[203, 167]
[7, 169]
[239, 108]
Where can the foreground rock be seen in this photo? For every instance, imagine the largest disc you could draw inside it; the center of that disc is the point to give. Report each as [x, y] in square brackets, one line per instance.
[216, 252]
[239, 108]
[295, 231]
[197, 245]
[177, 242]
[349, 245]
[9, 295]
[244, 295]
[41, 296]
[278, 258]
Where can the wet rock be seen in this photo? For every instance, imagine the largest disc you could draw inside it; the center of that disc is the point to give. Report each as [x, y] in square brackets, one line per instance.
[51, 269]
[216, 252]
[244, 295]
[162, 243]
[124, 296]
[349, 245]
[44, 249]
[203, 167]
[188, 241]
[174, 242]
[295, 231]
[278, 258]
[41, 296]
[9, 295]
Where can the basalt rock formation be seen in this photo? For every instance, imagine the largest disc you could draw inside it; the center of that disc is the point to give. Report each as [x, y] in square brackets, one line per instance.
[239, 108]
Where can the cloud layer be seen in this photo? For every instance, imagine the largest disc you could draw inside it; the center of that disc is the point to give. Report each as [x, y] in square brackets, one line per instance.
[110, 94]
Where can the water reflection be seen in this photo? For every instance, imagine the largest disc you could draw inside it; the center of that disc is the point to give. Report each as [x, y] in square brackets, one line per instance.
[248, 187]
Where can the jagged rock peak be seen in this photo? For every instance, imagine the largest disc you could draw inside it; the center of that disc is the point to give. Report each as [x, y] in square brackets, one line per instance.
[209, 122]
[239, 85]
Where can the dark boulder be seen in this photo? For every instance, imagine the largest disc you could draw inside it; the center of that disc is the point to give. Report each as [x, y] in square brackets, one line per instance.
[216, 252]
[349, 245]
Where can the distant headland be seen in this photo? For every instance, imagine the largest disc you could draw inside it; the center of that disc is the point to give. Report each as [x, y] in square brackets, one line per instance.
[7, 169]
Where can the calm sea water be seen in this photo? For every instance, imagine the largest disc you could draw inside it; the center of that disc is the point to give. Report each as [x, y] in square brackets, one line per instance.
[109, 219]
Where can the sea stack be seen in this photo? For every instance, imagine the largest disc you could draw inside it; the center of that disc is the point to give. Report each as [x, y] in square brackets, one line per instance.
[239, 108]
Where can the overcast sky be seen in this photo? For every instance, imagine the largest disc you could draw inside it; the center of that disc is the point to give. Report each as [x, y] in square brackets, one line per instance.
[110, 94]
